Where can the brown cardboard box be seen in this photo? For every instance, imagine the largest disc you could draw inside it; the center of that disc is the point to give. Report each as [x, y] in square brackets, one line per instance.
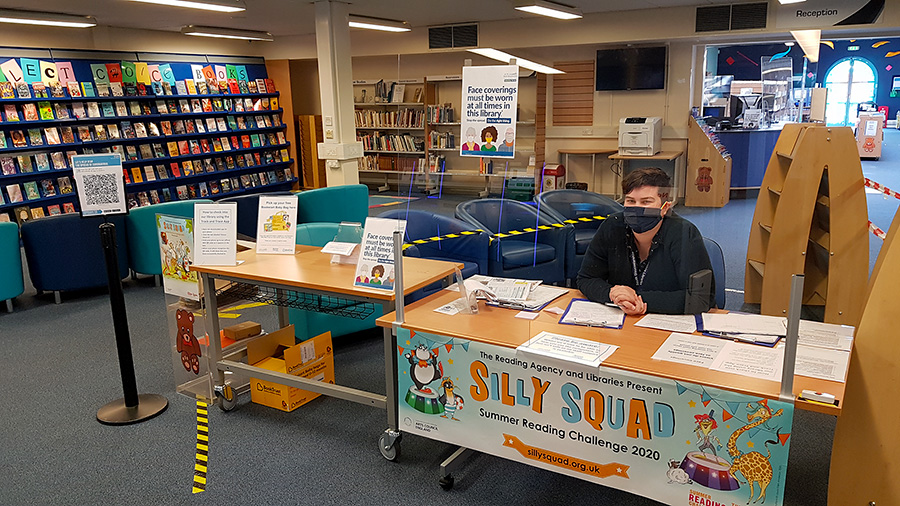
[242, 330]
[312, 359]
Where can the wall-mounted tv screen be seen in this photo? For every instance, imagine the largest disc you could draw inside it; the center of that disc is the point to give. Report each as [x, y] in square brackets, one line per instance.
[632, 68]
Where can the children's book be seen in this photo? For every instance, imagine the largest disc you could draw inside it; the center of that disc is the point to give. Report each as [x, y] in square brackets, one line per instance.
[29, 112]
[58, 160]
[37, 212]
[53, 210]
[7, 166]
[45, 110]
[68, 207]
[14, 192]
[34, 137]
[74, 89]
[10, 112]
[64, 184]
[52, 134]
[23, 91]
[62, 112]
[42, 162]
[31, 190]
[48, 189]
[7, 90]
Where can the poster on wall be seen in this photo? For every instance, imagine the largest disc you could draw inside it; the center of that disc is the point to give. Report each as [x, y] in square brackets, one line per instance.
[825, 13]
[176, 252]
[488, 116]
[675, 442]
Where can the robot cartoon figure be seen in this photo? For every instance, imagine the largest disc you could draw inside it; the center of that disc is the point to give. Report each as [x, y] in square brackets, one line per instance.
[451, 401]
[704, 179]
[424, 367]
[188, 345]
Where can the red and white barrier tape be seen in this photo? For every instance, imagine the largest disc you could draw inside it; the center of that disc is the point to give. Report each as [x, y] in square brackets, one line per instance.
[877, 231]
[883, 189]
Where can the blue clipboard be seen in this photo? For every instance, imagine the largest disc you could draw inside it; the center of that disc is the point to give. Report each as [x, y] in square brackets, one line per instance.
[563, 317]
[699, 319]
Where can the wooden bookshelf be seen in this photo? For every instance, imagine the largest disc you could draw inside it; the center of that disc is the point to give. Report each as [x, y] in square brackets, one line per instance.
[810, 219]
[708, 170]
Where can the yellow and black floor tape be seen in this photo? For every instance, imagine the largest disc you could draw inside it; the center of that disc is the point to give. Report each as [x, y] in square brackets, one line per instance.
[501, 235]
[202, 455]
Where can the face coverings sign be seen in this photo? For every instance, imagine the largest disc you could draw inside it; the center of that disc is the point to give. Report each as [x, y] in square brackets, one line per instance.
[489, 99]
[675, 442]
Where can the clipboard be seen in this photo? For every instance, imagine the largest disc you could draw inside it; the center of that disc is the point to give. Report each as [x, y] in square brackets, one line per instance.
[732, 337]
[589, 324]
[531, 305]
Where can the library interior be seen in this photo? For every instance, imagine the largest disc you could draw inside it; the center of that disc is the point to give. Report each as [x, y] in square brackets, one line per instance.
[524, 251]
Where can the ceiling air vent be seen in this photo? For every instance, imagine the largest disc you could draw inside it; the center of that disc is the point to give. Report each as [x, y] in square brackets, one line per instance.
[453, 36]
[749, 16]
[721, 18]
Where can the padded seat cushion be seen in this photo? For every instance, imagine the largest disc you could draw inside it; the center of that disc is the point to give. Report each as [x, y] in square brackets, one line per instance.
[583, 238]
[525, 253]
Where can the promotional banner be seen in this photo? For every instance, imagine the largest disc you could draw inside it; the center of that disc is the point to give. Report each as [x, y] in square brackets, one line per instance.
[176, 251]
[674, 442]
[825, 13]
[488, 122]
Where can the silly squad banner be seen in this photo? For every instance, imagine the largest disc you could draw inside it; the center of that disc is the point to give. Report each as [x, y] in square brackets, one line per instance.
[675, 442]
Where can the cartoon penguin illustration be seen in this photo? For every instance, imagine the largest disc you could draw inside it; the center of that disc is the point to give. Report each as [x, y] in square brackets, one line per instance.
[452, 402]
[424, 367]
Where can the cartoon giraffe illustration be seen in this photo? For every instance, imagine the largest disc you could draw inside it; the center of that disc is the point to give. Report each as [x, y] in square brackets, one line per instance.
[753, 466]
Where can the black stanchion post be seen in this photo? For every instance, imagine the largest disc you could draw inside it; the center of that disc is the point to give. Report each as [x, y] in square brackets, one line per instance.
[132, 408]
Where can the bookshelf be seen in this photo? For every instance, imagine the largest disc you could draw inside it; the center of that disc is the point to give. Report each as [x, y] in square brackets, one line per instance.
[708, 168]
[175, 144]
[810, 219]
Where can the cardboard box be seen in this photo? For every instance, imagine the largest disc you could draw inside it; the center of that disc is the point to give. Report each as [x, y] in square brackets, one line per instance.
[242, 330]
[312, 359]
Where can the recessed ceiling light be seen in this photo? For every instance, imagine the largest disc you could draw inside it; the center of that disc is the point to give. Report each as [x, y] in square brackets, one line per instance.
[45, 19]
[549, 9]
[206, 5]
[495, 54]
[226, 33]
[384, 25]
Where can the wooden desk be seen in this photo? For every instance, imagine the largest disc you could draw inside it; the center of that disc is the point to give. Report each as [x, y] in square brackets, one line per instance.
[624, 424]
[593, 154]
[305, 280]
[637, 345]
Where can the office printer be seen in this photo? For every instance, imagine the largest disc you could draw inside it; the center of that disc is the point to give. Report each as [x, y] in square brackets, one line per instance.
[640, 136]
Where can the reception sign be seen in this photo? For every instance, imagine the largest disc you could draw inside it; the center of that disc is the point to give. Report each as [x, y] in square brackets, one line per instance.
[488, 123]
[678, 443]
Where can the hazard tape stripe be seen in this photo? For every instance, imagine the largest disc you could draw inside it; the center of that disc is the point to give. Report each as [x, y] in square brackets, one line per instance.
[883, 189]
[201, 457]
[877, 231]
[501, 235]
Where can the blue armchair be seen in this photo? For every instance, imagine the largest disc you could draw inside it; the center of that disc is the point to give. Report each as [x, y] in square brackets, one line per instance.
[535, 254]
[12, 282]
[471, 250]
[574, 204]
[64, 252]
[309, 324]
[334, 204]
[717, 260]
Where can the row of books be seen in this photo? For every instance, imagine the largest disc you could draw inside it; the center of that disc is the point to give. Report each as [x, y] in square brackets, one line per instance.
[209, 188]
[44, 110]
[403, 118]
[391, 142]
[441, 140]
[404, 164]
[36, 190]
[440, 114]
[52, 136]
[146, 173]
[24, 213]
[711, 135]
[74, 89]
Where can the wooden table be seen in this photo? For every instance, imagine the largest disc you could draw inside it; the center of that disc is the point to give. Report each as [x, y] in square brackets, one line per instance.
[593, 154]
[301, 281]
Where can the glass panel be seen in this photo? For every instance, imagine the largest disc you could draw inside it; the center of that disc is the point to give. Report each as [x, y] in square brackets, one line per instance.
[862, 72]
[840, 73]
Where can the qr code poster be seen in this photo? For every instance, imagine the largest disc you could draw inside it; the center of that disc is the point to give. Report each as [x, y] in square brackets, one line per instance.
[100, 183]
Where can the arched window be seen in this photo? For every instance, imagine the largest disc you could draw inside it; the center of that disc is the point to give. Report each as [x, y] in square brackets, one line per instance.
[849, 81]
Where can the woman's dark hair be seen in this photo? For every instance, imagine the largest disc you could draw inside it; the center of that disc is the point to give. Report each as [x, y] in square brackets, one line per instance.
[489, 130]
[648, 176]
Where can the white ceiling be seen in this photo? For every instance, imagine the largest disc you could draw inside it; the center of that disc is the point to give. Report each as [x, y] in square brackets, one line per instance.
[296, 17]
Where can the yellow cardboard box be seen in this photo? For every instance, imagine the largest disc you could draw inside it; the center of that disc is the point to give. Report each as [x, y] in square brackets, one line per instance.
[312, 359]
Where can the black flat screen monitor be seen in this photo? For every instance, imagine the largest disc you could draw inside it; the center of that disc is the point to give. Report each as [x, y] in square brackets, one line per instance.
[632, 68]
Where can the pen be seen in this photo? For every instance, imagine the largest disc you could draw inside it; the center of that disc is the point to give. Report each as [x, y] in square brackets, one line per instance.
[590, 323]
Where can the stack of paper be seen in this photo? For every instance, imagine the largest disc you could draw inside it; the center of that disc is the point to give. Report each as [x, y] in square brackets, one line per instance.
[523, 294]
[592, 314]
[751, 328]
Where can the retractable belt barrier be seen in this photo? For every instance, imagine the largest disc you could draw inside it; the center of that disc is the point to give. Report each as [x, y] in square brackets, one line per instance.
[887, 191]
[500, 235]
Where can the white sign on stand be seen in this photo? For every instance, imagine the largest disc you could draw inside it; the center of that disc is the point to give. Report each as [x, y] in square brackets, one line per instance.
[488, 118]
[100, 183]
[375, 268]
[276, 231]
[215, 234]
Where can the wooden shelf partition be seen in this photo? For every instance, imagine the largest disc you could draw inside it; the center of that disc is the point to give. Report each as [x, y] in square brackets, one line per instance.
[812, 221]
[708, 170]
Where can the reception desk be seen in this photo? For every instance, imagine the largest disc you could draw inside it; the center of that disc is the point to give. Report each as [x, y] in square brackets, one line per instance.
[750, 152]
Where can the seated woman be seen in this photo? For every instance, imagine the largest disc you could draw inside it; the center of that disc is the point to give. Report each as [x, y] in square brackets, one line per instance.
[642, 259]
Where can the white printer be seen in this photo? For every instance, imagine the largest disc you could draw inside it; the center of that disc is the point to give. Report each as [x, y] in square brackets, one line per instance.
[640, 136]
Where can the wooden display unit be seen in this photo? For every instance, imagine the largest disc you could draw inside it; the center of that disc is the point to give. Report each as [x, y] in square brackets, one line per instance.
[309, 133]
[865, 440]
[810, 219]
[869, 134]
[708, 170]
